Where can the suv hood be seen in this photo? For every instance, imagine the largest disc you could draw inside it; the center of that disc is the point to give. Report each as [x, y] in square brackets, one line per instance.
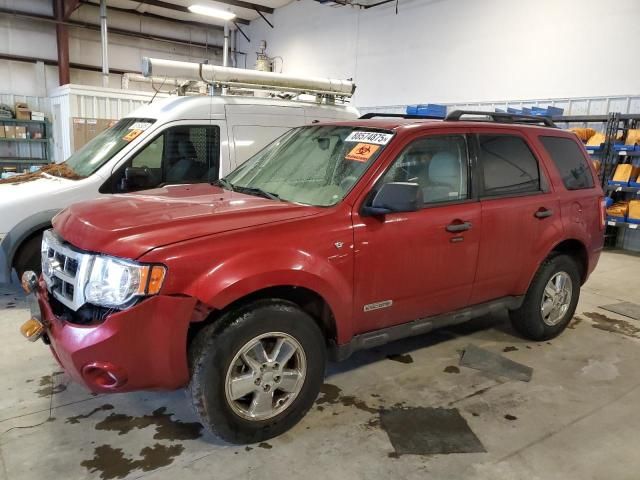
[130, 225]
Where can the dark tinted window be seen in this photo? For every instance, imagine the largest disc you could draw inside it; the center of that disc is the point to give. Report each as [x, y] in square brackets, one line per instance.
[508, 166]
[572, 165]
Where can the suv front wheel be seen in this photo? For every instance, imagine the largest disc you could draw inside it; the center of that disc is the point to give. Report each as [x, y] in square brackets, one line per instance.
[257, 371]
[550, 301]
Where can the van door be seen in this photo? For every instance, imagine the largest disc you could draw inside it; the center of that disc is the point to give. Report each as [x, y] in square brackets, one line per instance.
[181, 152]
[253, 127]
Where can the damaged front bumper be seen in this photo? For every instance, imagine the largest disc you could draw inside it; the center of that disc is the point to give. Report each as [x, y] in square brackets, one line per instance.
[141, 348]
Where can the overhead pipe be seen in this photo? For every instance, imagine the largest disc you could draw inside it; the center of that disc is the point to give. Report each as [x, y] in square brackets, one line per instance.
[103, 41]
[239, 77]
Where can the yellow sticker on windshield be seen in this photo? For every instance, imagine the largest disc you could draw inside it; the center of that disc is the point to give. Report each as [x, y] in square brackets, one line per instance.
[362, 152]
[132, 135]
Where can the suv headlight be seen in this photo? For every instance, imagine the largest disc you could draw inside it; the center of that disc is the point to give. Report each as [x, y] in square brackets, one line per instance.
[116, 283]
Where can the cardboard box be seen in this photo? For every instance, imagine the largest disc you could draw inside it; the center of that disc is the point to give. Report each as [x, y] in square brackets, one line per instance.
[634, 210]
[21, 132]
[2, 135]
[79, 130]
[10, 131]
[39, 116]
[623, 173]
[92, 129]
[23, 112]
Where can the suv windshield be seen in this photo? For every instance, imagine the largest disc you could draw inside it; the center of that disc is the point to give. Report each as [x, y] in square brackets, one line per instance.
[315, 165]
[105, 145]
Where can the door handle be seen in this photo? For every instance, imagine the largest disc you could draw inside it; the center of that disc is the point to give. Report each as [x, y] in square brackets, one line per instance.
[459, 227]
[543, 213]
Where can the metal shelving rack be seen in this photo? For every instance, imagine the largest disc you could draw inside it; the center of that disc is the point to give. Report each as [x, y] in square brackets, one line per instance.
[13, 151]
[610, 158]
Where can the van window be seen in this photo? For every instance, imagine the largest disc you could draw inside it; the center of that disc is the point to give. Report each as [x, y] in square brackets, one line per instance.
[570, 161]
[508, 166]
[182, 154]
[250, 139]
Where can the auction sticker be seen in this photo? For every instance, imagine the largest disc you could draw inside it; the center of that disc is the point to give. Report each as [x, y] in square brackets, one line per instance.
[362, 152]
[132, 135]
[140, 126]
[369, 137]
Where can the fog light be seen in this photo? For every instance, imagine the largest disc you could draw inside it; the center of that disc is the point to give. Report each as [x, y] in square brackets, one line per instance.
[103, 375]
[29, 281]
[32, 329]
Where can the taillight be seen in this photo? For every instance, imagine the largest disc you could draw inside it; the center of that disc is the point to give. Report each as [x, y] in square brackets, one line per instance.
[603, 213]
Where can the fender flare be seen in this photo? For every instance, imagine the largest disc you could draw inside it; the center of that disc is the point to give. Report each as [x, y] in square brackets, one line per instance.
[17, 235]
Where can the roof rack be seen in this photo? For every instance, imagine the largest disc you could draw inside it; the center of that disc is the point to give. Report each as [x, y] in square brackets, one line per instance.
[500, 117]
[399, 115]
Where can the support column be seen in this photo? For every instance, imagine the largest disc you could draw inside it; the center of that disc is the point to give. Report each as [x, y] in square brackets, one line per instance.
[104, 42]
[62, 38]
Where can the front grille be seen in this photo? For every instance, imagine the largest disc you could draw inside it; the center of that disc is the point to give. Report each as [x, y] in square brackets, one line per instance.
[65, 269]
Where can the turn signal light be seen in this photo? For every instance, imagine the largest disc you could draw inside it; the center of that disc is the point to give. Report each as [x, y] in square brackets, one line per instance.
[151, 279]
[29, 281]
[32, 329]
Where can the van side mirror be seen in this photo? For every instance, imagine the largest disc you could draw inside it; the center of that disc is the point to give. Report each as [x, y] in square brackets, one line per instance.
[395, 197]
[138, 178]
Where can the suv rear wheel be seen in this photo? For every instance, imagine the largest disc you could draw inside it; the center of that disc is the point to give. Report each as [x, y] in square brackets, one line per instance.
[550, 301]
[257, 371]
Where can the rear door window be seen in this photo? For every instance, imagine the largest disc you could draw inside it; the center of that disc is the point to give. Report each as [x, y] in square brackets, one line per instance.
[508, 166]
[570, 161]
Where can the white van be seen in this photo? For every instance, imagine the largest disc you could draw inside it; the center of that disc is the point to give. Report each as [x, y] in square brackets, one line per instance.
[172, 141]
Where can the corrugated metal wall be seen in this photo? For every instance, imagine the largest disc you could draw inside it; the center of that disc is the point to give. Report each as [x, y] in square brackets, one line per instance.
[572, 106]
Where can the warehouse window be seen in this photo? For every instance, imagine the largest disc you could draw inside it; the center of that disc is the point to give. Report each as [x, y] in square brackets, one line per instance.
[508, 166]
[183, 154]
[568, 157]
[438, 164]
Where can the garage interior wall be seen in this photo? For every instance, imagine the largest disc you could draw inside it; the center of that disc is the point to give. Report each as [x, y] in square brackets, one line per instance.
[453, 51]
[37, 39]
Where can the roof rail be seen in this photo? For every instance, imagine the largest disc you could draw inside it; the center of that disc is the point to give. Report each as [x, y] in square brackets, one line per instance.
[500, 117]
[399, 115]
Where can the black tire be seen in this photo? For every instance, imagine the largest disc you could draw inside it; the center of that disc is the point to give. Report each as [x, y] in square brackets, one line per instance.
[28, 256]
[528, 319]
[214, 348]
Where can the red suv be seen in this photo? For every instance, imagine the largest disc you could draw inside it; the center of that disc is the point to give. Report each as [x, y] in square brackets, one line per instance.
[335, 238]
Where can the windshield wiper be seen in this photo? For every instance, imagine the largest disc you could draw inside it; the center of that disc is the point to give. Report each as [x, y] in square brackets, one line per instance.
[224, 183]
[257, 192]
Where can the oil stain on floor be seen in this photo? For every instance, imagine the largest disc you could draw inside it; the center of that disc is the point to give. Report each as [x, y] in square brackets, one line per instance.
[427, 431]
[398, 357]
[76, 419]
[332, 395]
[112, 463]
[49, 386]
[608, 324]
[166, 427]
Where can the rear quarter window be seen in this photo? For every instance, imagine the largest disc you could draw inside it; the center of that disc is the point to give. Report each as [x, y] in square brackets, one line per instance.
[570, 162]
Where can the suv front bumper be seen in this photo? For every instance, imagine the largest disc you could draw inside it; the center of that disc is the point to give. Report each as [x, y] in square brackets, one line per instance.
[142, 348]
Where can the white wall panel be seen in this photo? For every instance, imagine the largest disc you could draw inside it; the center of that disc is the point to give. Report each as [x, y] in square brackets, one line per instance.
[461, 50]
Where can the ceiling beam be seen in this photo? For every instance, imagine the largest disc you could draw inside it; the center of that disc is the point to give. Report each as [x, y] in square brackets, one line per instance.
[247, 5]
[130, 11]
[115, 31]
[69, 7]
[180, 8]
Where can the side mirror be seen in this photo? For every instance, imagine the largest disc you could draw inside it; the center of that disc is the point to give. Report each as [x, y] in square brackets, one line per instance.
[395, 197]
[137, 178]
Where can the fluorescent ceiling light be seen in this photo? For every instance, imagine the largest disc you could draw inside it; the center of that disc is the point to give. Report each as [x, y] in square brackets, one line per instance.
[212, 12]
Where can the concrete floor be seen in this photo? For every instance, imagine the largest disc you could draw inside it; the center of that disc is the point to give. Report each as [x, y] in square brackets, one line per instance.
[577, 419]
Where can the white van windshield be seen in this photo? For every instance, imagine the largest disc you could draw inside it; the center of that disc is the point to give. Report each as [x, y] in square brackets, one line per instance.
[105, 145]
[316, 165]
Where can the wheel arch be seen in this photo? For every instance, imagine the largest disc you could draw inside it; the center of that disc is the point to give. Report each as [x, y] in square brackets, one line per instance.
[578, 251]
[24, 231]
[308, 300]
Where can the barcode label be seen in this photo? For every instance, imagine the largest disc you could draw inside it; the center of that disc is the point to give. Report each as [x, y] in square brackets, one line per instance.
[613, 224]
